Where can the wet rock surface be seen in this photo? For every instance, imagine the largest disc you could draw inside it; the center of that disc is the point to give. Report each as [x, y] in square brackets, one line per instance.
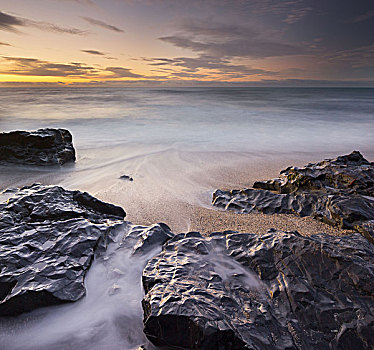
[351, 174]
[48, 238]
[140, 240]
[41, 147]
[339, 192]
[279, 290]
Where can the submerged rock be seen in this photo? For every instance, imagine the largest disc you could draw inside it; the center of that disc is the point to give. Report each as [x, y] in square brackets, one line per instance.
[48, 238]
[278, 290]
[337, 191]
[41, 147]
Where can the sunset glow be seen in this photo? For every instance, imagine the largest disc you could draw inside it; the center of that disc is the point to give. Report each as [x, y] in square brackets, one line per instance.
[186, 42]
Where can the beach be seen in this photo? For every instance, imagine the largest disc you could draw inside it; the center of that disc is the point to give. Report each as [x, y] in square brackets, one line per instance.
[181, 198]
[186, 175]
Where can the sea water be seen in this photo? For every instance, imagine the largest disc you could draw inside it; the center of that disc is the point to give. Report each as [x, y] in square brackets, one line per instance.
[235, 119]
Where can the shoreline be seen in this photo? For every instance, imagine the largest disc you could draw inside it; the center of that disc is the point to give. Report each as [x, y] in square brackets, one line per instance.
[144, 262]
[163, 191]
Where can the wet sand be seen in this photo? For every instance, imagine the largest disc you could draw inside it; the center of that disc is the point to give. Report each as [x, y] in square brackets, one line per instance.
[210, 220]
[176, 188]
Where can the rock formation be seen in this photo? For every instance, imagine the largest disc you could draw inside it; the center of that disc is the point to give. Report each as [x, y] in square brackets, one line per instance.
[278, 290]
[41, 147]
[337, 191]
[229, 290]
[48, 238]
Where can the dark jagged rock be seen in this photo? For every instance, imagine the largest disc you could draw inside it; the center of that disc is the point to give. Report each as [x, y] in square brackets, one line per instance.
[41, 147]
[278, 290]
[142, 239]
[351, 174]
[126, 177]
[48, 238]
[343, 211]
[367, 230]
[336, 191]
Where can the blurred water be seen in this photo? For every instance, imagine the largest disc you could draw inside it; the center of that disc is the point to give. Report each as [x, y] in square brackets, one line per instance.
[179, 144]
[235, 119]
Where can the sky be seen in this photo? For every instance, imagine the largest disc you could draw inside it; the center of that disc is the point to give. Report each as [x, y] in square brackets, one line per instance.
[187, 42]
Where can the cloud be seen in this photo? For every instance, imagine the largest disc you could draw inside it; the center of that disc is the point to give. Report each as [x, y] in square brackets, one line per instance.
[291, 11]
[211, 65]
[120, 72]
[99, 53]
[361, 18]
[102, 24]
[217, 30]
[94, 52]
[189, 75]
[221, 40]
[4, 44]
[11, 23]
[84, 2]
[49, 27]
[36, 67]
[358, 57]
[296, 15]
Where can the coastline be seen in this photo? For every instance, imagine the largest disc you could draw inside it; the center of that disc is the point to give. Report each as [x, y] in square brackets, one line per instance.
[174, 187]
[181, 199]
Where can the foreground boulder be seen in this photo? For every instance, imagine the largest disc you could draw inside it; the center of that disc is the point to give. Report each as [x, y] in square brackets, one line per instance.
[278, 290]
[339, 192]
[41, 147]
[48, 238]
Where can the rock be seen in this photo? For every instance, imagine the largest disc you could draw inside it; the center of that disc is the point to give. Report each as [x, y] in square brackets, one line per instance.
[337, 191]
[126, 177]
[351, 174]
[142, 239]
[366, 229]
[278, 290]
[41, 147]
[343, 211]
[48, 239]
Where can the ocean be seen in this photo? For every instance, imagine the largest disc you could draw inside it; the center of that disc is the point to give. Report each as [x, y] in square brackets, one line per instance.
[271, 120]
[179, 144]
